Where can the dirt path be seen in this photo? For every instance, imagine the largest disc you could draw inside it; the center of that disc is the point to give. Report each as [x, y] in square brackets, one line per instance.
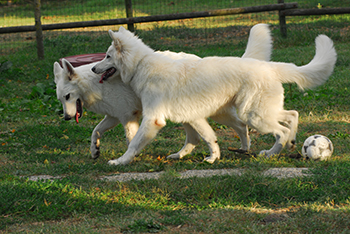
[122, 177]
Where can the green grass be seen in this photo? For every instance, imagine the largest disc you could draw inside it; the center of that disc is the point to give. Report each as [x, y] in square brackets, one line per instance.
[35, 140]
[21, 13]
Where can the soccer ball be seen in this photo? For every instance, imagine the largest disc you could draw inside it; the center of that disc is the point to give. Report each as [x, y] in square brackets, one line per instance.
[317, 147]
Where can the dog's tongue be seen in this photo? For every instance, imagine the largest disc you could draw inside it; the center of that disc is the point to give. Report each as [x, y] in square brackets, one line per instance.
[107, 74]
[77, 117]
[101, 80]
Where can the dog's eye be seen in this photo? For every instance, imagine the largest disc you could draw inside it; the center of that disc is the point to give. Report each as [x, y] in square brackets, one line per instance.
[67, 97]
[108, 56]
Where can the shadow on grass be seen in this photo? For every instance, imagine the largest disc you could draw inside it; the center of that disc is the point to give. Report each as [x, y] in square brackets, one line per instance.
[171, 201]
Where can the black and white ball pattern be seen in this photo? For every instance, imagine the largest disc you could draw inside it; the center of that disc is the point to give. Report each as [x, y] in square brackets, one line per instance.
[317, 147]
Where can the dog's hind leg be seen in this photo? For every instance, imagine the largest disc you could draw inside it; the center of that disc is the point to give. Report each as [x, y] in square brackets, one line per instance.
[130, 122]
[130, 129]
[208, 135]
[107, 123]
[281, 134]
[192, 139]
[231, 119]
[147, 131]
[291, 119]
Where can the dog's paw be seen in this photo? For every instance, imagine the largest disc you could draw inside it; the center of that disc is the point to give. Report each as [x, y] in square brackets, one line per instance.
[174, 156]
[119, 161]
[114, 162]
[95, 155]
[264, 153]
[211, 159]
[95, 151]
[267, 154]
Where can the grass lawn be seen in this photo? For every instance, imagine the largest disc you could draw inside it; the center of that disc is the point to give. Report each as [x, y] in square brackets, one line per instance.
[36, 140]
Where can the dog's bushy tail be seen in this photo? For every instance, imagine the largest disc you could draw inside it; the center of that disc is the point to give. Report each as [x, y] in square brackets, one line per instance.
[259, 43]
[318, 70]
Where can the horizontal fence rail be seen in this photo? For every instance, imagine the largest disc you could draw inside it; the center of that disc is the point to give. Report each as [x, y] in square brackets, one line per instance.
[94, 23]
[284, 10]
[322, 11]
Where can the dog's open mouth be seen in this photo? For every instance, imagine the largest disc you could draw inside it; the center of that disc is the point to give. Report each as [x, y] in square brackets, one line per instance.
[79, 110]
[107, 74]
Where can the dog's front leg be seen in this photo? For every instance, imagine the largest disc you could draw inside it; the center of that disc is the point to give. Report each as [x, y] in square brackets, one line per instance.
[147, 131]
[192, 139]
[107, 123]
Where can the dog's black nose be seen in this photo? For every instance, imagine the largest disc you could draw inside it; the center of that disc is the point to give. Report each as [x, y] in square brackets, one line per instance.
[93, 69]
[67, 117]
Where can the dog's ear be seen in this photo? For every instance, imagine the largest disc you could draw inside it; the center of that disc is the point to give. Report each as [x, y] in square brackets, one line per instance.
[122, 29]
[111, 34]
[125, 74]
[57, 69]
[67, 67]
[125, 32]
[117, 43]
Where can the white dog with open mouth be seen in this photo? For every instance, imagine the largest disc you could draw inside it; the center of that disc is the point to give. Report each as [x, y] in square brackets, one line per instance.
[189, 91]
[78, 87]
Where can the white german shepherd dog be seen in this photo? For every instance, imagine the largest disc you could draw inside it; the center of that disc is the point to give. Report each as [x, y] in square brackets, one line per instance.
[78, 87]
[189, 91]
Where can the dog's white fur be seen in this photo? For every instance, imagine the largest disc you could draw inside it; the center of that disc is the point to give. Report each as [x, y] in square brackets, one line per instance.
[119, 103]
[187, 91]
[116, 100]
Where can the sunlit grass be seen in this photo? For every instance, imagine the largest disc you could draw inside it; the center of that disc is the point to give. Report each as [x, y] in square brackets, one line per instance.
[35, 140]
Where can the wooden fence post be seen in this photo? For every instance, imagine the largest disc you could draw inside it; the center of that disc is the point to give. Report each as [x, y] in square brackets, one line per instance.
[282, 20]
[39, 30]
[283, 29]
[128, 8]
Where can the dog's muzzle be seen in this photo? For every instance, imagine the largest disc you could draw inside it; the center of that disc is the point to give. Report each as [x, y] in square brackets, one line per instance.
[106, 74]
[79, 112]
[67, 117]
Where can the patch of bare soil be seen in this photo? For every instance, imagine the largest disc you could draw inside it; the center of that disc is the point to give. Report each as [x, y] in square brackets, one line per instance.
[122, 177]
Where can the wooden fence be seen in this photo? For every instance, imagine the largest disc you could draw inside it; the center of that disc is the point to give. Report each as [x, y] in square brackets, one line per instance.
[133, 20]
[284, 9]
